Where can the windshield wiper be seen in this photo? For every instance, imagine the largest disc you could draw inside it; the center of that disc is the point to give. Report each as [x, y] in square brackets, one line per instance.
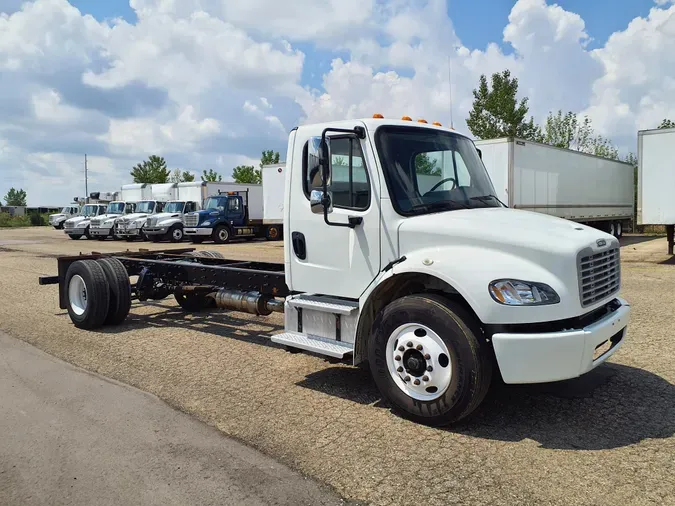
[483, 198]
[441, 204]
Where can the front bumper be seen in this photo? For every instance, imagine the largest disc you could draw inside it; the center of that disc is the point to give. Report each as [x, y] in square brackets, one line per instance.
[156, 230]
[202, 231]
[128, 232]
[98, 232]
[74, 231]
[554, 356]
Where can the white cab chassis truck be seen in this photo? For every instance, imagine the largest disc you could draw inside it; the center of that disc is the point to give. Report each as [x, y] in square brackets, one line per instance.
[433, 289]
[168, 224]
[78, 226]
[103, 227]
[57, 220]
[596, 191]
[656, 205]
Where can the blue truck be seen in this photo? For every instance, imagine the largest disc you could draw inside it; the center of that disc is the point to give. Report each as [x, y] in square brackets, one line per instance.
[240, 213]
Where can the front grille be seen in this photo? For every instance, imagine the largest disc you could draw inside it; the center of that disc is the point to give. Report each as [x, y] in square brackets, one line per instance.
[191, 220]
[151, 222]
[96, 223]
[68, 225]
[599, 276]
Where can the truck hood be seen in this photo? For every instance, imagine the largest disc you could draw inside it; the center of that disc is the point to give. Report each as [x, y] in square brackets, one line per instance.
[160, 217]
[128, 218]
[521, 233]
[56, 216]
[106, 217]
[77, 219]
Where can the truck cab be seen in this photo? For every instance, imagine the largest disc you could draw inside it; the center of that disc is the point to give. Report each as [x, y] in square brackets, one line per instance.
[103, 226]
[168, 225]
[223, 216]
[131, 226]
[78, 226]
[57, 220]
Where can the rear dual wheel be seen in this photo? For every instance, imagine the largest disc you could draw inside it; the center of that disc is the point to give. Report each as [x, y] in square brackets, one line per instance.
[98, 293]
[429, 360]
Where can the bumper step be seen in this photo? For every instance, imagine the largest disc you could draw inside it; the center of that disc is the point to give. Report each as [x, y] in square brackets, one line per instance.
[314, 344]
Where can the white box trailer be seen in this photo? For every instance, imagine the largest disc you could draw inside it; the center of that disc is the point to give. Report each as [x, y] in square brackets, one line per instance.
[164, 192]
[560, 182]
[656, 177]
[273, 178]
[136, 192]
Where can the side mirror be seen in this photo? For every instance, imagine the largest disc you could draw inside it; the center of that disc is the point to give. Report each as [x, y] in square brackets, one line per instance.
[318, 163]
[480, 153]
[318, 201]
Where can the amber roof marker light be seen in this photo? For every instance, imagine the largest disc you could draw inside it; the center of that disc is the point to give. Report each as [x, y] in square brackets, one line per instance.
[406, 118]
[378, 116]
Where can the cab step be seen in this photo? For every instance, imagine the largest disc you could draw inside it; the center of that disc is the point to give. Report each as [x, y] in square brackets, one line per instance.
[324, 304]
[315, 344]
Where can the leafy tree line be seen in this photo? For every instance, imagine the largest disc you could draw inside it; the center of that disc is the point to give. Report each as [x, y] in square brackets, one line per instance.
[154, 171]
[15, 197]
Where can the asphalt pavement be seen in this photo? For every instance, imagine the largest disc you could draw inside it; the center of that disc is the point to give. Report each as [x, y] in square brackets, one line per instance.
[68, 436]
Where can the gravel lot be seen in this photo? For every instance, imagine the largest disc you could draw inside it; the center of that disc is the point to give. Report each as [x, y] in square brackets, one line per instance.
[606, 438]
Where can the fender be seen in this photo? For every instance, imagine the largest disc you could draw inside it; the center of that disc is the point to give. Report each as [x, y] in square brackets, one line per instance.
[464, 273]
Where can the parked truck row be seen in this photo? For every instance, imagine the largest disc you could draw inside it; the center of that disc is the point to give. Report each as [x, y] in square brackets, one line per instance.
[436, 286]
[215, 211]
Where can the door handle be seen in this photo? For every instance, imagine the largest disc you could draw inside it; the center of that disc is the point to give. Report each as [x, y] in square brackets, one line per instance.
[299, 245]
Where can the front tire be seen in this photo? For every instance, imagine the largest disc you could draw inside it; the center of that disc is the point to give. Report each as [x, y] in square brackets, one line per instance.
[75, 237]
[221, 235]
[176, 233]
[428, 359]
[88, 294]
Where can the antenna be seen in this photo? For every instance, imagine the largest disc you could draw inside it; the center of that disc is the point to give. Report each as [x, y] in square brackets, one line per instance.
[86, 185]
[450, 90]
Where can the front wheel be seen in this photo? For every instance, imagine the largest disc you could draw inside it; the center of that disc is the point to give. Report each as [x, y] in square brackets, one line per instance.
[221, 235]
[176, 233]
[428, 359]
[75, 237]
[58, 226]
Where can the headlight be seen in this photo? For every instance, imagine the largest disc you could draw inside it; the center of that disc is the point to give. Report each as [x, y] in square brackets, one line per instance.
[513, 292]
[206, 224]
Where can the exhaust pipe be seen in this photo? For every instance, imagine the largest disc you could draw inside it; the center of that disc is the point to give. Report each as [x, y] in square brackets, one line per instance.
[247, 302]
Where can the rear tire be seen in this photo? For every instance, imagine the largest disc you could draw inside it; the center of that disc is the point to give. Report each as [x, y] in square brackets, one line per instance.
[88, 294]
[206, 254]
[618, 228]
[86, 233]
[273, 233]
[221, 235]
[120, 290]
[459, 378]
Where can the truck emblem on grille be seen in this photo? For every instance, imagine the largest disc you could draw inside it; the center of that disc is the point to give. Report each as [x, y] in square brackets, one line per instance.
[600, 243]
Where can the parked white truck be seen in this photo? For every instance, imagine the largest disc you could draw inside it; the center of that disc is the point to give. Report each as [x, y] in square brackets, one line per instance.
[57, 220]
[169, 224]
[656, 205]
[588, 189]
[430, 288]
[78, 226]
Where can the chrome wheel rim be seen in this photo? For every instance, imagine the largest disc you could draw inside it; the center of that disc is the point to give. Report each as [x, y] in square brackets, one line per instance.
[77, 295]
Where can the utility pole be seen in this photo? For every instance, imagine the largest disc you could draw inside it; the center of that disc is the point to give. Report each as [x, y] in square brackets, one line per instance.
[450, 91]
[86, 185]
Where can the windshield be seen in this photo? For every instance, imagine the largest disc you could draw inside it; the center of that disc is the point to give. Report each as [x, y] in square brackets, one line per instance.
[65, 210]
[116, 208]
[174, 207]
[146, 206]
[216, 203]
[431, 170]
[89, 211]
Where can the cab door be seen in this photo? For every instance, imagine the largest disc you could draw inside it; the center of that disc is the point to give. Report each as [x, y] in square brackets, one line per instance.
[334, 260]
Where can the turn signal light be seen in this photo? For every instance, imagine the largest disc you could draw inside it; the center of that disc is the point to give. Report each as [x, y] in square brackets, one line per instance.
[406, 118]
[378, 116]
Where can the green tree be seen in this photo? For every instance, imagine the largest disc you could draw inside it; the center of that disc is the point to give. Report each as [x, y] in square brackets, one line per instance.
[567, 131]
[246, 174]
[497, 112]
[425, 165]
[152, 171]
[268, 158]
[211, 176]
[666, 123]
[15, 197]
[632, 159]
[178, 176]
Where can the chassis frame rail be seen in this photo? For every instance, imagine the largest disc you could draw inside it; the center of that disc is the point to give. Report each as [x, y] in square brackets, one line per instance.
[175, 268]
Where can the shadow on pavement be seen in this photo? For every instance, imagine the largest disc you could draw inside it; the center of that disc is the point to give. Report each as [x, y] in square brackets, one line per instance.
[610, 407]
[629, 240]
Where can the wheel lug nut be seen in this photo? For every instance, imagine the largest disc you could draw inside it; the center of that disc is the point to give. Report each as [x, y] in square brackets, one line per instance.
[419, 347]
[409, 344]
[406, 379]
[397, 357]
[425, 378]
[429, 368]
[400, 369]
[427, 357]
[401, 348]
[416, 382]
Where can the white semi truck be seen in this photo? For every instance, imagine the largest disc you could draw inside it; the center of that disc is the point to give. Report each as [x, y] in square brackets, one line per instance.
[656, 205]
[103, 227]
[433, 289]
[78, 226]
[152, 198]
[57, 220]
[169, 224]
[588, 189]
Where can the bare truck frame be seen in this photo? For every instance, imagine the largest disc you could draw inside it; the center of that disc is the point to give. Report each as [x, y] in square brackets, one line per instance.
[102, 290]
